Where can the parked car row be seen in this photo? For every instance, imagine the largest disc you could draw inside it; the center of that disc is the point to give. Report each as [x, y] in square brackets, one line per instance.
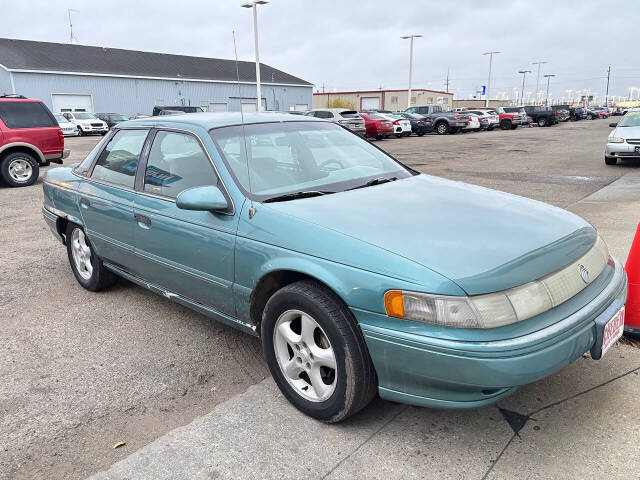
[422, 119]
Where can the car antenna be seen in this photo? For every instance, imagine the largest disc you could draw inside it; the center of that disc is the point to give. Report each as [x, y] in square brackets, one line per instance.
[252, 208]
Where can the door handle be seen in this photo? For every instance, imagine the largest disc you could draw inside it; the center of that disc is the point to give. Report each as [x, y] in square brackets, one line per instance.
[84, 202]
[142, 220]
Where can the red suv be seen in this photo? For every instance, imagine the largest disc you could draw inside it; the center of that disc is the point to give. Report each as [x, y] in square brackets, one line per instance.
[30, 138]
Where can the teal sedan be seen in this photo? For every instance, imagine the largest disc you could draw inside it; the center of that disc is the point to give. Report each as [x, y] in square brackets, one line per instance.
[360, 275]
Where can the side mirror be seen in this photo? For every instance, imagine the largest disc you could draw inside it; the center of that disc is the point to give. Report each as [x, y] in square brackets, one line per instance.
[613, 124]
[207, 198]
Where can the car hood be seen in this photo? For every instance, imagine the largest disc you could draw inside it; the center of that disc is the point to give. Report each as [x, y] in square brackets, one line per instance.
[483, 240]
[626, 132]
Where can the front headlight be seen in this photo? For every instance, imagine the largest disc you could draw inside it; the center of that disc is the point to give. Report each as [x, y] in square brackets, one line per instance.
[500, 308]
[615, 140]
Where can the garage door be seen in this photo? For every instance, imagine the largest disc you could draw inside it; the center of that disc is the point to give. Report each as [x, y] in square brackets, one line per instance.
[71, 102]
[217, 107]
[370, 103]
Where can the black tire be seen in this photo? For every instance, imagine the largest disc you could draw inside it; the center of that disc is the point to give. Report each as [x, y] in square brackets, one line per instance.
[100, 278]
[490, 128]
[420, 134]
[379, 137]
[505, 124]
[442, 128]
[513, 127]
[356, 380]
[610, 160]
[7, 161]
[398, 135]
[454, 130]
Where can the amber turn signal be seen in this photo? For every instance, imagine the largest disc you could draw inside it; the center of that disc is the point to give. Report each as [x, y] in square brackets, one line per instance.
[394, 304]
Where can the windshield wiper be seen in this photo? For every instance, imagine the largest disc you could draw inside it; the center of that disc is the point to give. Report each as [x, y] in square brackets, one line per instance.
[375, 181]
[295, 195]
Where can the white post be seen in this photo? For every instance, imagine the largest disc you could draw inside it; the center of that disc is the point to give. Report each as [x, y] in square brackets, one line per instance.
[410, 71]
[255, 34]
[486, 97]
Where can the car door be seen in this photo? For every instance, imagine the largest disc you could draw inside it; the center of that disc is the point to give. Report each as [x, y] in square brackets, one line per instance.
[190, 253]
[106, 197]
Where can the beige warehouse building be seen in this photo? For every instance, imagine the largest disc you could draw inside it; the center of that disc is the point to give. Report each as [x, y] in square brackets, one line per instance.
[382, 99]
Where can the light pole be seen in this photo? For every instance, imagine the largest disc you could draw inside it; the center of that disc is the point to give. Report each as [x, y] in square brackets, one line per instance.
[410, 37]
[524, 74]
[254, 6]
[548, 77]
[486, 98]
[538, 77]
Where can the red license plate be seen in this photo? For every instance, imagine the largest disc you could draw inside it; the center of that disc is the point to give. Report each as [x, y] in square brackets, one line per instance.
[613, 330]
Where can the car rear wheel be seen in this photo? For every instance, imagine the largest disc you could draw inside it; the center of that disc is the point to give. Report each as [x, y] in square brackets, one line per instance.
[379, 137]
[505, 124]
[610, 160]
[19, 169]
[420, 134]
[316, 353]
[86, 265]
[542, 122]
[398, 135]
[442, 128]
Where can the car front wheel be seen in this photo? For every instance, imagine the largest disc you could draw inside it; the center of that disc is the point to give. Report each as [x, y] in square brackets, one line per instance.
[86, 265]
[316, 352]
[610, 160]
[19, 169]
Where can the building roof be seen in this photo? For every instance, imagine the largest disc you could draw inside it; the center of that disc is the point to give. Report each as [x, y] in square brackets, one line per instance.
[28, 55]
[383, 91]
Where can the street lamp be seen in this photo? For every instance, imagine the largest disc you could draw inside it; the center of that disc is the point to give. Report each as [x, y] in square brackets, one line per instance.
[538, 77]
[524, 74]
[254, 6]
[486, 98]
[548, 77]
[410, 38]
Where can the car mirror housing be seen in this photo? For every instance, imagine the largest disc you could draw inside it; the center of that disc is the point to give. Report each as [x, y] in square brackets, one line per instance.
[613, 124]
[207, 198]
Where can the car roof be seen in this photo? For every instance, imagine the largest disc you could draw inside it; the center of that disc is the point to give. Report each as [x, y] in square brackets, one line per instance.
[15, 99]
[215, 120]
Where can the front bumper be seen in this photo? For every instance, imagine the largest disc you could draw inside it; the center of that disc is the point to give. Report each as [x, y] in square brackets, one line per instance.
[94, 129]
[439, 372]
[622, 150]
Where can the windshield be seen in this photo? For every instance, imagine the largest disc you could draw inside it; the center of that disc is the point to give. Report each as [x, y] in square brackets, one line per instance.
[291, 157]
[84, 116]
[118, 118]
[631, 119]
[61, 119]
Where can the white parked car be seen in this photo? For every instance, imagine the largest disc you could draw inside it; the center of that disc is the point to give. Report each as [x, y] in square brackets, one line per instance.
[87, 123]
[474, 123]
[492, 116]
[401, 126]
[68, 129]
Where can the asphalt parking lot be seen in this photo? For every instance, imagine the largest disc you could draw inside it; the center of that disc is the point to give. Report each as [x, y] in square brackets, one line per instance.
[82, 371]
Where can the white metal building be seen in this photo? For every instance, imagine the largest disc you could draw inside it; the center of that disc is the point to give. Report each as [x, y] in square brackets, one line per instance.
[70, 77]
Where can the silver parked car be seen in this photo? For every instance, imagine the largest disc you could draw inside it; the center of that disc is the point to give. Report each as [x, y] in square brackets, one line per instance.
[624, 140]
[342, 116]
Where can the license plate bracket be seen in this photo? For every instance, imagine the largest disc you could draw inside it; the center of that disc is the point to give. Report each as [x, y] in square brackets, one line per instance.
[609, 327]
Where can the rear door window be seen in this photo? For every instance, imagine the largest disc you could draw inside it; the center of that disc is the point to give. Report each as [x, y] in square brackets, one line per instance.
[118, 161]
[26, 115]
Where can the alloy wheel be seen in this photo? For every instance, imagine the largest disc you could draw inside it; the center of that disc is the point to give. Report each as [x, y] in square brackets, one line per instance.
[20, 170]
[81, 253]
[305, 355]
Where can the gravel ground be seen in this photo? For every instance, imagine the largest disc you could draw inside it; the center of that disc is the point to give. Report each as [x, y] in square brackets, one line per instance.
[83, 371]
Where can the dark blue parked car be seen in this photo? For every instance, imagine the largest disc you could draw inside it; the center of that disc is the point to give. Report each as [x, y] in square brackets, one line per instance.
[419, 123]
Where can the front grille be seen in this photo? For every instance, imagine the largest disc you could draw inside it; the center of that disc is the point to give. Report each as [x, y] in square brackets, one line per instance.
[633, 141]
[96, 124]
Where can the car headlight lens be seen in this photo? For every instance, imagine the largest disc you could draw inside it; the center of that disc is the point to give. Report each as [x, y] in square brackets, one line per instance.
[616, 140]
[504, 307]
